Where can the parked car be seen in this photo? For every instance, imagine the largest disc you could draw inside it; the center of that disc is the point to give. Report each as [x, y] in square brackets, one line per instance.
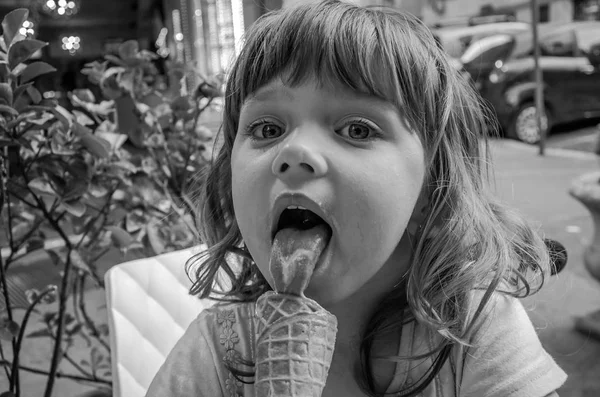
[570, 63]
[456, 39]
[480, 56]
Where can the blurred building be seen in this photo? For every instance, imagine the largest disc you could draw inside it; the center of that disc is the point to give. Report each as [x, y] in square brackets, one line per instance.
[208, 32]
[80, 31]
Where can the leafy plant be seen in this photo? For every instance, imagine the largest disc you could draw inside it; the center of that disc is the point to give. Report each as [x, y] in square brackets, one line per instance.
[110, 174]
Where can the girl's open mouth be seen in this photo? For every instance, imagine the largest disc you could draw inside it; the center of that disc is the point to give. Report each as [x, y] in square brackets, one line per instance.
[299, 228]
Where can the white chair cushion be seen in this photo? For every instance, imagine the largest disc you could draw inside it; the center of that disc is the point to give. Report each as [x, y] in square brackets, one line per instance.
[149, 308]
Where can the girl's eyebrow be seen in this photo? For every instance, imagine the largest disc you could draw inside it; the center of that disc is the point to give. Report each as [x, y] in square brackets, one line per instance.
[265, 93]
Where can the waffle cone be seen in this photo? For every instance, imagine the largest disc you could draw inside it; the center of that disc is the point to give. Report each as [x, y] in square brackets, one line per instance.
[294, 346]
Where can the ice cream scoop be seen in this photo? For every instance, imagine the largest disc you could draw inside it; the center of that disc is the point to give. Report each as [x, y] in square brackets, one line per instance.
[294, 255]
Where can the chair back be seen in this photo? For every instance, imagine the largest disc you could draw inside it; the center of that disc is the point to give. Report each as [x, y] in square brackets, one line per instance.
[149, 309]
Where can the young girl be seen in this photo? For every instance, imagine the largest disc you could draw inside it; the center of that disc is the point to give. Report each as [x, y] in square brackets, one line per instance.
[355, 115]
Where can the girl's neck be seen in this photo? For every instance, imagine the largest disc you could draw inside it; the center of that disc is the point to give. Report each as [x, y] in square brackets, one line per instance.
[356, 310]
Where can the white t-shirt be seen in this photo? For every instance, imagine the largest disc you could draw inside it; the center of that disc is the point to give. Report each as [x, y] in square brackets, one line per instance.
[507, 359]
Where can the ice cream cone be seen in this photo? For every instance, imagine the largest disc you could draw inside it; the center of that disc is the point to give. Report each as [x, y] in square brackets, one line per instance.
[294, 346]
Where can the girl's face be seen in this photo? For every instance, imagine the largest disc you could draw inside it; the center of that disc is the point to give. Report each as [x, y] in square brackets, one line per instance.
[353, 159]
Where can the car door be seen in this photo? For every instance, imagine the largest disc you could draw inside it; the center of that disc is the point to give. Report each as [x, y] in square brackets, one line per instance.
[588, 78]
[561, 75]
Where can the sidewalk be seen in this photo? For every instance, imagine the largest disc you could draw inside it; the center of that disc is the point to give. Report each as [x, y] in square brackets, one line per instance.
[537, 186]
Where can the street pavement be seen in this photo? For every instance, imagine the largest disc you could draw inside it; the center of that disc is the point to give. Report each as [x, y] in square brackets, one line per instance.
[581, 137]
[537, 186]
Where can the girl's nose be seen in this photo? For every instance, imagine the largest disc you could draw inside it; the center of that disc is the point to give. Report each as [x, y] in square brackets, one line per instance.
[298, 161]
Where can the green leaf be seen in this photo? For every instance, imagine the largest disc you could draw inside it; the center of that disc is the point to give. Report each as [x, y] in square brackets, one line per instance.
[96, 146]
[120, 237]
[34, 244]
[78, 261]
[97, 190]
[13, 21]
[82, 118]
[21, 89]
[18, 70]
[75, 208]
[36, 69]
[5, 109]
[81, 130]
[74, 330]
[61, 114]
[34, 94]
[55, 257]
[40, 333]
[42, 186]
[84, 95]
[6, 94]
[22, 51]
[128, 49]
[96, 356]
[114, 60]
[8, 329]
[101, 392]
[4, 72]
[154, 239]
[114, 140]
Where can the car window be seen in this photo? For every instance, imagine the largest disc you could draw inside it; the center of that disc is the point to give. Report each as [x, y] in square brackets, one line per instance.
[587, 37]
[523, 46]
[488, 50]
[560, 44]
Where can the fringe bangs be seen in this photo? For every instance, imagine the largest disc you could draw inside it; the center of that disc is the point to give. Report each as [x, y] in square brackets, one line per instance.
[371, 52]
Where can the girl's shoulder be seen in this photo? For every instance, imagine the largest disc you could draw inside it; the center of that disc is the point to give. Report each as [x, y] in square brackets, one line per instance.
[506, 355]
[226, 313]
[228, 329]
[228, 325]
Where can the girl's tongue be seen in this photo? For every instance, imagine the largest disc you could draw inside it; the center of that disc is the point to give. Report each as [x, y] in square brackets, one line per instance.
[294, 255]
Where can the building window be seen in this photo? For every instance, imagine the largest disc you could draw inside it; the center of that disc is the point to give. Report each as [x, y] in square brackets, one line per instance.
[220, 27]
[544, 13]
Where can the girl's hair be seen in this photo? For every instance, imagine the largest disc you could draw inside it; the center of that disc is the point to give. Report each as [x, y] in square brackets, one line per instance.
[478, 243]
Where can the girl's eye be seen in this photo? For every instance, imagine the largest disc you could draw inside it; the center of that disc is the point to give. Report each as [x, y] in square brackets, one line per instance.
[359, 130]
[262, 129]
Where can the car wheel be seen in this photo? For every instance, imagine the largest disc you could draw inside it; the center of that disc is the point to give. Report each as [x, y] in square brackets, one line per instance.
[524, 125]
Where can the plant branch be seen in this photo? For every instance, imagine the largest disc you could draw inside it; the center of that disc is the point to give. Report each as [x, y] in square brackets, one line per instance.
[77, 366]
[102, 212]
[11, 241]
[86, 317]
[59, 374]
[13, 250]
[62, 305]
[14, 380]
[33, 160]
[8, 307]
[22, 199]
[100, 255]
[6, 368]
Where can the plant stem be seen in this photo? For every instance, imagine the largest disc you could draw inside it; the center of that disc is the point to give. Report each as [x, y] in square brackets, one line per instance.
[77, 366]
[14, 380]
[6, 303]
[6, 367]
[62, 301]
[16, 247]
[22, 199]
[62, 305]
[88, 320]
[59, 374]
